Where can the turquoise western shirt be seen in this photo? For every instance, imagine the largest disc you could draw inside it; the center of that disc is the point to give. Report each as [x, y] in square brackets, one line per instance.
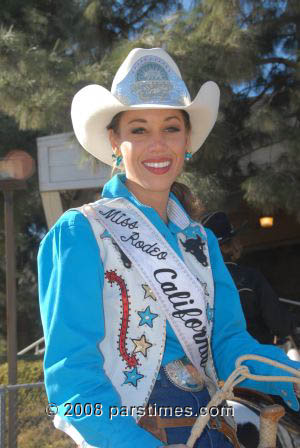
[70, 290]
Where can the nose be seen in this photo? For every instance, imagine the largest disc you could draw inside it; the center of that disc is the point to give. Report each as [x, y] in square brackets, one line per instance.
[158, 143]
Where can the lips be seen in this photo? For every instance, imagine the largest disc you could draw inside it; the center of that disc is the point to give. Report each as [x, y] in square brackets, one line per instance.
[161, 166]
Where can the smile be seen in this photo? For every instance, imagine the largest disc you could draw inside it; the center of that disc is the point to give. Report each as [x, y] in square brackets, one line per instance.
[158, 164]
[158, 167]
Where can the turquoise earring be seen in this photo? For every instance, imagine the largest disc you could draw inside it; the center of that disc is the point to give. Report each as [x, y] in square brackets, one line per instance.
[188, 155]
[117, 159]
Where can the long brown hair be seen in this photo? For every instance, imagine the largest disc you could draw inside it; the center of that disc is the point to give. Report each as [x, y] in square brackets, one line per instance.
[191, 204]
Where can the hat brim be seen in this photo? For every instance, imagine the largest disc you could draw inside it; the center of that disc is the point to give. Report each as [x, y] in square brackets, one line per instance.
[233, 233]
[93, 108]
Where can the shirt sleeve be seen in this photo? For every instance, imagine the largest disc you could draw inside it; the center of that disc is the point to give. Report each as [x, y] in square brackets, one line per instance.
[70, 293]
[231, 340]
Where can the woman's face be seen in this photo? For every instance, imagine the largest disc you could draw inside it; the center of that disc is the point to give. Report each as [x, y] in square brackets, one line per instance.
[152, 143]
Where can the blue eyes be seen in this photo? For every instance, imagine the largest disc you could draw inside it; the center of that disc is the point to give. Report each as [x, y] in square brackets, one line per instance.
[143, 130]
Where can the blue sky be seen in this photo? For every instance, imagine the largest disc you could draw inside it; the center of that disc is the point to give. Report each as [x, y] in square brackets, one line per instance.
[187, 3]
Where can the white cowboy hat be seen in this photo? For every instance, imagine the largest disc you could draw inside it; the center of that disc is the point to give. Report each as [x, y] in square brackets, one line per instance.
[147, 79]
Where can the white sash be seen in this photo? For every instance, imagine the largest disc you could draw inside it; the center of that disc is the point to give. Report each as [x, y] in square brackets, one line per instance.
[180, 295]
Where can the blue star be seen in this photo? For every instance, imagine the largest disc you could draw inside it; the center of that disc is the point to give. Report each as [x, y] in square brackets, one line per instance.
[132, 377]
[105, 234]
[147, 317]
[209, 313]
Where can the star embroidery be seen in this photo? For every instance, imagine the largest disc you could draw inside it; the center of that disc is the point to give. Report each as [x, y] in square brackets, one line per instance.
[148, 292]
[132, 377]
[141, 345]
[209, 313]
[105, 234]
[147, 317]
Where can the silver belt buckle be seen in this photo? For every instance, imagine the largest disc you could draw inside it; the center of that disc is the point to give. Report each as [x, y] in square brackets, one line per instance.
[185, 376]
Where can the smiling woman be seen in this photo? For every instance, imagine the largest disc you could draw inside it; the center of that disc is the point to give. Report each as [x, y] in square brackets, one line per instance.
[152, 144]
[172, 121]
[138, 309]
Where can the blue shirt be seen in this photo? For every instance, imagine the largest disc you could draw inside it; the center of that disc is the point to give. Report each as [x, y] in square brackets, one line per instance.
[70, 290]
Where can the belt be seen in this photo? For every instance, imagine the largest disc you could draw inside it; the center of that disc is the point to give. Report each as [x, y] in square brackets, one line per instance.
[184, 375]
[157, 426]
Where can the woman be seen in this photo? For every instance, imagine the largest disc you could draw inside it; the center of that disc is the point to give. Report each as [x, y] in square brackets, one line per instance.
[140, 315]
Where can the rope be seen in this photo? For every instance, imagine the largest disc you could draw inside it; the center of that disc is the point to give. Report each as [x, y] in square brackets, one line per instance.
[262, 359]
[237, 376]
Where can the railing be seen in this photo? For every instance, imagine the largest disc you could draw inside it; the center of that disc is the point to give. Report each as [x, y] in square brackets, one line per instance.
[290, 302]
[34, 345]
[31, 426]
[39, 351]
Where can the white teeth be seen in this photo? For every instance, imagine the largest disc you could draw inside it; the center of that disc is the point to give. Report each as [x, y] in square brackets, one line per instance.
[158, 165]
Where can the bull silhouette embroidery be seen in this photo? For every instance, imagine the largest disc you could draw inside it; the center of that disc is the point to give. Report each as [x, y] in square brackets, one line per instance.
[195, 247]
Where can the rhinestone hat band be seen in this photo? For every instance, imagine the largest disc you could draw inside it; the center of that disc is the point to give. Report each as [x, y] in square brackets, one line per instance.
[152, 81]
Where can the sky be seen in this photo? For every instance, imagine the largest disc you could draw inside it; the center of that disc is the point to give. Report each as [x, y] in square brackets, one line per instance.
[186, 3]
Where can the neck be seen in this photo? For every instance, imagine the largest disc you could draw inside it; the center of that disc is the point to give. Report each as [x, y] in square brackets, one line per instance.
[158, 200]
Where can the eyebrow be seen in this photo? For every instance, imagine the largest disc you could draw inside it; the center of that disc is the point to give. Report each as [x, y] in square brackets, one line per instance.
[141, 120]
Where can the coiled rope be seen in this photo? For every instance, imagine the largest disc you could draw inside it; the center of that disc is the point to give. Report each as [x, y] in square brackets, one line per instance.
[238, 375]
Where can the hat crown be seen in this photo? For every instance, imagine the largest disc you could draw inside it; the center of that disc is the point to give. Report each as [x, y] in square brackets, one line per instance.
[147, 79]
[150, 77]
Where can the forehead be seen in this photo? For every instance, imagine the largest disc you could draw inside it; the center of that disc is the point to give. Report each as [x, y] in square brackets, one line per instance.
[150, 115]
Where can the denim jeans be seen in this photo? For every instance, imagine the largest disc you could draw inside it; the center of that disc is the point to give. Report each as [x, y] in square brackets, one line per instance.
[166, 394]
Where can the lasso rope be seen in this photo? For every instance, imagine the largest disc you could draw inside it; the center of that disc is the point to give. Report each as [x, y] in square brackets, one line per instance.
[238, 375]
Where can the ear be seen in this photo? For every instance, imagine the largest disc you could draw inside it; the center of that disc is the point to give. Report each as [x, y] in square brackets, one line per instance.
[113, 138]
[188, 140]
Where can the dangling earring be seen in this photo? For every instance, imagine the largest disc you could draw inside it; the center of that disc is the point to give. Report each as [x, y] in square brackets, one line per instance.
[117, 159]
[188, 155]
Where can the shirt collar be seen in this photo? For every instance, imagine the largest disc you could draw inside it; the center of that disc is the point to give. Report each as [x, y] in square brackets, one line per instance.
[178, 218]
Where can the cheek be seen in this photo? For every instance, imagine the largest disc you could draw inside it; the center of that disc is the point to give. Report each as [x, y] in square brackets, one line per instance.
[126, 150]
[129, 154]
[181, 153]
[125, 147]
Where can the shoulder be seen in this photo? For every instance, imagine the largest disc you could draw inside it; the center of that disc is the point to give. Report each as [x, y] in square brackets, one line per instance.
[251, 273]
[71, 228]
[69, 220]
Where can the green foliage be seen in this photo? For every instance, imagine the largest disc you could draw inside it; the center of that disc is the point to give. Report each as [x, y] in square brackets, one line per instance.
[48, 50]
[35, 429]
[29, 371]
[251, 49]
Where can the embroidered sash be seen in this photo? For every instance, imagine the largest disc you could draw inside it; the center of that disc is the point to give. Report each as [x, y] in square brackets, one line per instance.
[180, 295]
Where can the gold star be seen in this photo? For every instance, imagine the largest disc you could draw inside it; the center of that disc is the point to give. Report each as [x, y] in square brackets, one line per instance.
[148, 292]
[141, 345]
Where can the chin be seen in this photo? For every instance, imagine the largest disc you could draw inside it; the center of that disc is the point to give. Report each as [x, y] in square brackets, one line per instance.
[157, 185]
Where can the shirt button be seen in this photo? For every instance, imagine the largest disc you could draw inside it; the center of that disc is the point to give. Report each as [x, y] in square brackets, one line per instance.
[284, 393]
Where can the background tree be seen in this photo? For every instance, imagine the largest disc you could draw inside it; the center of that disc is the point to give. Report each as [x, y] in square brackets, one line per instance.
[251, 49]
[48, 50]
